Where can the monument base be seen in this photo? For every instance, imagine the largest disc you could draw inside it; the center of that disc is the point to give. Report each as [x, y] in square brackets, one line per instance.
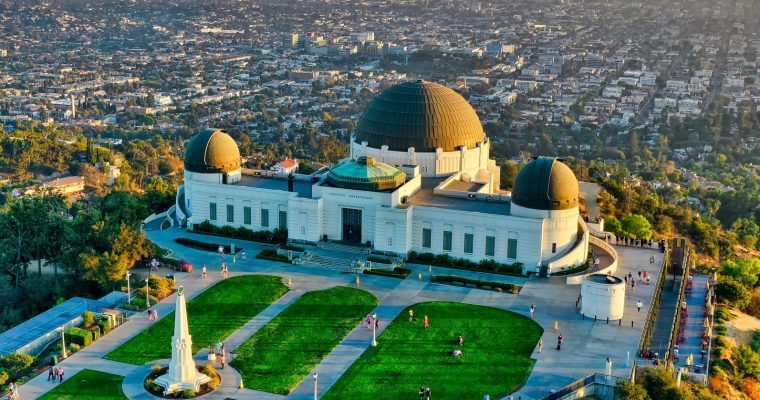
[171, 387]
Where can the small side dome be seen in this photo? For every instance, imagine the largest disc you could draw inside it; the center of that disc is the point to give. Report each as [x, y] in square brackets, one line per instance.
[366, 174]
[546, 184]
[212, 151]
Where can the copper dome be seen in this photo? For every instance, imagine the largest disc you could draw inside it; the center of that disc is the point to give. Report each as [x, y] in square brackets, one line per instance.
[545, 184]
[212, 151]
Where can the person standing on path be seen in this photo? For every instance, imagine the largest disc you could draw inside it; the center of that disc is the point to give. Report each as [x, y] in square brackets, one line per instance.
[369, 321]
[155, 315]
[532, 310]
[540, 345]
[204, 274]
[633, 285]
[60, 374]
[150, 314]
[411, 315]
[486, 397]
[559, 341]
[50, 373]
[222, 359]
[377, 323]
[639, 304]
[427, 324]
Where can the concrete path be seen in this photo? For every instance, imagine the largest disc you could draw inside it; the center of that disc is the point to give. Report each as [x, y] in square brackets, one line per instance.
[695, 304]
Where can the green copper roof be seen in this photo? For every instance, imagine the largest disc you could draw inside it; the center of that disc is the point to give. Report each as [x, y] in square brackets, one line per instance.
[366, 174]
[212, 151]
[420, 114]
[545, 184]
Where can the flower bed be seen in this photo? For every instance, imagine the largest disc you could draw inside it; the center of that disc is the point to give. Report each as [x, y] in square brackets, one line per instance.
[206, 388]
[276, 236]
[444, 260]
[397, 272]
[475, 283]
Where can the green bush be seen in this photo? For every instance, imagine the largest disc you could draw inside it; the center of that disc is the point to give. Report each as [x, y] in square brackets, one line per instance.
[160, 287]
[16, 362]
[269, 254]
[276, 236]
[723, 314]
[444, 260]
[4, 376]
[211, 247]
[395, 273]
[212, 373]
[78, 336]
[95, 333]
[188, 394]
[487, 285]
[105, 326]
[88, 319]
[756, 341]
[73, 348]
[731, 291]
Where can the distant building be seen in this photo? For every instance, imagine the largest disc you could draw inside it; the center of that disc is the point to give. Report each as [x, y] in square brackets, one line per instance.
[67, 185]
[286, 166]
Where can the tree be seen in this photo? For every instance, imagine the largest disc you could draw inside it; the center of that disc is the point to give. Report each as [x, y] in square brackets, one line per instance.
[747, 231]
[627, 390]
[636, 226]
[746, 271]
[729, 290]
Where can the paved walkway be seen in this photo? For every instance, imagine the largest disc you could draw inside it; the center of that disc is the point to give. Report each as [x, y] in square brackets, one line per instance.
[590, 342]
[695, 304]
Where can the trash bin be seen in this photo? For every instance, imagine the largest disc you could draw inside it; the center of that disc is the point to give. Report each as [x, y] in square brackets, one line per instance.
[170, 276]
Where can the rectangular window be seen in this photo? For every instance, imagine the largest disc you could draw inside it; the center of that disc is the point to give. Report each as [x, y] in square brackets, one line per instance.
[212, 211]
[554, 247]
[427, 238]
[230, 213]
[283, 220]
[264, 218]
[247, 215]
[512, 248]
[390, 241]
[447, 240]
[490, 246]
[468, 239]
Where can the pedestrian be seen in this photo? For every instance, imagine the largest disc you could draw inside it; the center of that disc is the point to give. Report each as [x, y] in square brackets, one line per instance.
[427, 393]
[211, 354]
[150, 314]
[427, 325]
[559, 341]
[222, 359]
[155, 315]
[55, 374]
[486, 397]
[377, 323]
[411, 315]
[60, 374]
[369, 321]
[222, 347]
[50, 373]
[626, 279]
[540, 345]
[633, 285]
[639, 274]
[204, 273]
[242, 255]
[511, 397]
[532, 310]
[422, 393]
[639, 304]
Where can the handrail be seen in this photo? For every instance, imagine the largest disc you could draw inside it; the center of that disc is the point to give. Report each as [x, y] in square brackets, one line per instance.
[646, 335]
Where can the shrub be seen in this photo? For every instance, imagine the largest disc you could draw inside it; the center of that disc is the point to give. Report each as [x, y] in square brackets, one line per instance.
[444, 260]
[275, 237]
[161, 287]
[73, 348]
[105, 326]
[486, 285]
[95, 332]
[188, 394]
[212, 373]
[731, 291]
[78, 336]
[88, 319]
[4, 376]
[394, 273]
[16, 362]
[723, 314]
[269, 254]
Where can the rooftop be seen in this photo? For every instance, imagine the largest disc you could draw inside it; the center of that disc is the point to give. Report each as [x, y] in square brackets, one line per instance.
[425, 197]
[303, 188]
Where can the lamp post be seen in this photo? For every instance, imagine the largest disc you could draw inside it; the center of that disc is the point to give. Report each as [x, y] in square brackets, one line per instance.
[374, 330]
[315, 376]
[63, 344]
[129, 292]
[147, 291]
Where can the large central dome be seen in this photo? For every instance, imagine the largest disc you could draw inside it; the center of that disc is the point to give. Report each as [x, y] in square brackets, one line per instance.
[212, 151]
[420, 114]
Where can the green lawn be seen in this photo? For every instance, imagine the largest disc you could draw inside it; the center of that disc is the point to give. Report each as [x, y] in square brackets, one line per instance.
[495, 356]
[288, 348]
[88, 385]
[212, 316]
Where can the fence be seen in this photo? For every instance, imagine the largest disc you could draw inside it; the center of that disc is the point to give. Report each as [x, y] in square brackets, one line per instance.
[599, 385]
[646, 335]
[677, 319]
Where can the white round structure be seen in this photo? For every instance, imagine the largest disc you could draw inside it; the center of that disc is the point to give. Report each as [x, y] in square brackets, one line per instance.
[603, 296]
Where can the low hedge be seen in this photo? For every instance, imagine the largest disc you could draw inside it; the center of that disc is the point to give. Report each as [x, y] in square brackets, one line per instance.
[15, 363]
[276, 236]
[572, 270]
[105, 326]
[485, 285]
[78, 336]
[212, 247]
[379, 259]
[269, 254]
[444, 260]
[397, 272]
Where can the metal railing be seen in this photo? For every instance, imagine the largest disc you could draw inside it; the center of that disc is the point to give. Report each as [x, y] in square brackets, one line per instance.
[646, 334]
[677, 320]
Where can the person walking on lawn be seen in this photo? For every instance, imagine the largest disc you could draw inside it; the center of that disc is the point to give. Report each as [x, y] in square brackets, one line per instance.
[427, 323]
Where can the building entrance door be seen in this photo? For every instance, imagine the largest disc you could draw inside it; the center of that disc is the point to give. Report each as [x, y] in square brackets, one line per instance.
[352, 225]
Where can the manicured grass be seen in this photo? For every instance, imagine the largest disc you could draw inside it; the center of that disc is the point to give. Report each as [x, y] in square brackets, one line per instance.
[212, 316]
[88, 385]
[288, 348]
[495, 355]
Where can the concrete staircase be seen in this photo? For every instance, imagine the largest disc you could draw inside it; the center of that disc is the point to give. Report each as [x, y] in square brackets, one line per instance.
[344, 248]
[333, 263]
[336, 256]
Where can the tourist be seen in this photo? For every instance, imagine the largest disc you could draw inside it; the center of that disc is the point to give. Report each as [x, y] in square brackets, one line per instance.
[55, 374]
[626, 279]
[51, 375]
[222, 347]
[60, 374]
[560, 339]
[204, 274]
[155, 315]
[211, 354]
[150, 315]
[422, 392]
[486, 397]
[460, 340]
[369, 321]
[540, 345]
[633, 285]
[222, 359]
[511, 397]
[639, 274]
[639, 304]
[427, 325]
[218, 346]
[411, 315]
[242, 255]
[532, 310]
[427, 393]
[377, 323]
[456, 353]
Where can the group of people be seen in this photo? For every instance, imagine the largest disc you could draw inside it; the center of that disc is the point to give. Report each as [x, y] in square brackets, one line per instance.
[225, 270]
[55, 373]
[218, 352]
[152, 315]
[425, 321]
[628, 241]
[424, 393]
[13, 391]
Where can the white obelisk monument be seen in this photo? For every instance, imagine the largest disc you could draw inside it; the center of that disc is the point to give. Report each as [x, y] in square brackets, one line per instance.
[182, 373]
